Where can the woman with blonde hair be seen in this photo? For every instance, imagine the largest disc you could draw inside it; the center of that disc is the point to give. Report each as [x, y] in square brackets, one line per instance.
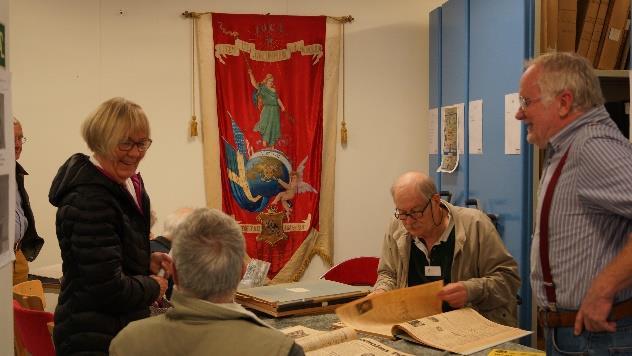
[103, 223]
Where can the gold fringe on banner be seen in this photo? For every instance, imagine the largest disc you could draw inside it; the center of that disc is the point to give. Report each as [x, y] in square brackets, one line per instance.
[193, 131]
[343, 125]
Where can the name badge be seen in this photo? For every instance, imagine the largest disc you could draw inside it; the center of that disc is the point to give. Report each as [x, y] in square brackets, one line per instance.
[433, 271]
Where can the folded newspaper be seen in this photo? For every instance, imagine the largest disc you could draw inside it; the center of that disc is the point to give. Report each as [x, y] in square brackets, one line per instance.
[415, 314]
[343, 341]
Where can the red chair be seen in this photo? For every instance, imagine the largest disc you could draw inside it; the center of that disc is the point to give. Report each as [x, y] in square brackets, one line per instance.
[357, 271]
[33, 330]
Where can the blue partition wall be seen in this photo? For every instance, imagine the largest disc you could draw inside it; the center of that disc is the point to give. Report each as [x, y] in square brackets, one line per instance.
[483, 46]
[454, 62]
[434, 84]
[501, 182]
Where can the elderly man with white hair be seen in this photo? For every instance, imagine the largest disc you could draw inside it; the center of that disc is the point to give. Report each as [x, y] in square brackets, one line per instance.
[208, 263]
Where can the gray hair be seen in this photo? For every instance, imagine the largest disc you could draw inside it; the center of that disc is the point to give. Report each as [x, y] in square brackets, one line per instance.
[568, 71]
[208, 251]
[112, 122]
[173, 220]
[424, 184]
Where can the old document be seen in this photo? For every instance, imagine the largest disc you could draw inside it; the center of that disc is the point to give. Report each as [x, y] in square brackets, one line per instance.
[359, 347]
[462, 331]
[311, 339]
[376, 314]
[337, 342]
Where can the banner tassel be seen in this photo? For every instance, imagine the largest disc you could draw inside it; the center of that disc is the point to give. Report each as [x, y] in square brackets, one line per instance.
[343, 133]
[193, 131]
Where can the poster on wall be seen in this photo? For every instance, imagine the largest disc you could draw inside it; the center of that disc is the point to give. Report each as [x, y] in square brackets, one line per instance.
[5, 250]
[3, 53]
[7, 171]
[451, 138]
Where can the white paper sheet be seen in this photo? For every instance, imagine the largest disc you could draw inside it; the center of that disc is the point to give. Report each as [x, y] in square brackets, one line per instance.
[433, 128]
[512, 126]
[476, 127]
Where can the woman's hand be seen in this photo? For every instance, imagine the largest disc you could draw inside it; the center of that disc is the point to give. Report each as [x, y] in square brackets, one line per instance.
[162, 283]
[161, 261]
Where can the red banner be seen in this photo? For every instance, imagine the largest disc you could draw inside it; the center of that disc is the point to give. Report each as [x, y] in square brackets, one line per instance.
[269, 81]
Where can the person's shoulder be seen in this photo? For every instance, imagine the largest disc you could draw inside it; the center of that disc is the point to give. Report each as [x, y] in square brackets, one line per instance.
[463, 212]
[142, 327]
[136, 333]
[258, 330]
[602, 128]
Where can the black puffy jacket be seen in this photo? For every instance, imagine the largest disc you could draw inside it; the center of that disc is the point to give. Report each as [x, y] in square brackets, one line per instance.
[104, 242]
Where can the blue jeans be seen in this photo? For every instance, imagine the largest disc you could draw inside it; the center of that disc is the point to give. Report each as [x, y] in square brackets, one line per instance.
[561, 341]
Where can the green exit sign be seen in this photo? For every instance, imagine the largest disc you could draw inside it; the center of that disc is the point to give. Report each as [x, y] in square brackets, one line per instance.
[2, 47]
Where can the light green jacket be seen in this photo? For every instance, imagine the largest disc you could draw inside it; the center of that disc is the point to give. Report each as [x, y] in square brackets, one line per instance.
[481, 262]
[197, 327]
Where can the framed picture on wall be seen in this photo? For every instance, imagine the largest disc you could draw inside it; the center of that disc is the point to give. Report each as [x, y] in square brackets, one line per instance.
[2, 123]
[5, 251]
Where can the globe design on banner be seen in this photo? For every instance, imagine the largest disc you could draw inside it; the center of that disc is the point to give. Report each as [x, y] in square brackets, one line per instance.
[264, 168]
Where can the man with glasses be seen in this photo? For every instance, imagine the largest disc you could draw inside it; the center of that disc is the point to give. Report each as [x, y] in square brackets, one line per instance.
[581, 253]
[27, 242]
[429, 239]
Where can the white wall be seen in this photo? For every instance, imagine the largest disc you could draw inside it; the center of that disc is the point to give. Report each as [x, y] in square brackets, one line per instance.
[69, 55]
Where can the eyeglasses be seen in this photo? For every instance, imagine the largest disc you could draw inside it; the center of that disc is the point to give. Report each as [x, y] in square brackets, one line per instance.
[413, 214]
[141, 145]
[20, 139]
[525, 102]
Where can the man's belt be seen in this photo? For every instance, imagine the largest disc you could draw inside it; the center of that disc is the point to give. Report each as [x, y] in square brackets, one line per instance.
[551, 319]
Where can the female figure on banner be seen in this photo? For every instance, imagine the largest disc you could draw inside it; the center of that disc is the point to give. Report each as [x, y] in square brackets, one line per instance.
[267, 100]
[103, 222]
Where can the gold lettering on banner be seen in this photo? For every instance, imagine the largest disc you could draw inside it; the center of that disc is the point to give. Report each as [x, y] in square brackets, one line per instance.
[287, 227]
[224, 49]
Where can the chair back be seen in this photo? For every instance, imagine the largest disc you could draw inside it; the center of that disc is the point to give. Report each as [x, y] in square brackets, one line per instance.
[357, 271]
[32, 328]
[30, 295]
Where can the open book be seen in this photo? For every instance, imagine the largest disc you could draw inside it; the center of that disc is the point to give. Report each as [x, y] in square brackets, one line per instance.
[343, 341]
[414, 314]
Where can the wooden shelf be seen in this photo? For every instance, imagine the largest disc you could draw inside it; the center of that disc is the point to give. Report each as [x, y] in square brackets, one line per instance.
[612, 73]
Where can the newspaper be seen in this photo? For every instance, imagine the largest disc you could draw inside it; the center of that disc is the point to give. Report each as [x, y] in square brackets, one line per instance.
[337, 342]
[462, 331]
[414, 314]
[377, 314]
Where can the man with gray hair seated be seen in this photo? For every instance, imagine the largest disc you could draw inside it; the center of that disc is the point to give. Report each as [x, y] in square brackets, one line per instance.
[162, 243]
[208, 263]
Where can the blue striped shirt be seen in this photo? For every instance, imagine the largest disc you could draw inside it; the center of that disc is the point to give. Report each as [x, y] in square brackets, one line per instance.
[21, 223]
[591, 210]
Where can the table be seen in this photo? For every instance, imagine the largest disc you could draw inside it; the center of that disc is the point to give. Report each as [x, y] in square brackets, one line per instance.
[324, 322]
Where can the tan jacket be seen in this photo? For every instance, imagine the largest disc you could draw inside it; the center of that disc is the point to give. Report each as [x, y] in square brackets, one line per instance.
[196, 327]
[481, 262]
